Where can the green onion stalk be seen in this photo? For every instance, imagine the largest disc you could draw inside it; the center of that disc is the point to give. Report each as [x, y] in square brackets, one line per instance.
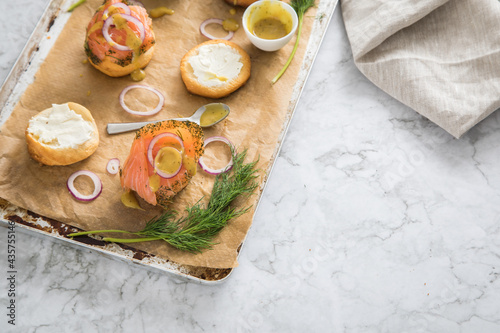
[300, 6]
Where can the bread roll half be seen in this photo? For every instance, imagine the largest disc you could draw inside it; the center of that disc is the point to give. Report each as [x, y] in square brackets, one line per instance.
[112, 59]
[215, 68]
[60, 137]
[110, 66]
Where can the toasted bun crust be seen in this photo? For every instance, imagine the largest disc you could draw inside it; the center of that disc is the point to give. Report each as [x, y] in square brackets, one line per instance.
[242, 3]
[48, 155]
[109, 66]
[194, 87]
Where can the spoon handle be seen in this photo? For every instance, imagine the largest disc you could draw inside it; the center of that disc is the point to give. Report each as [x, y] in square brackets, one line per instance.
[116, 128]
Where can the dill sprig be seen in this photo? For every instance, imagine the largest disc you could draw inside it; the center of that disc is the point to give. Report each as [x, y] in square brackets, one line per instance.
[194, 232]
[300, 6]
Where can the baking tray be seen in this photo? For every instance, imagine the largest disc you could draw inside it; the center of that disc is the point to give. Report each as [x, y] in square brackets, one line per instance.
[21, 76]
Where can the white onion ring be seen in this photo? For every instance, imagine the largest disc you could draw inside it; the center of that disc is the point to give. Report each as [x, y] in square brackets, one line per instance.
[113, 166]
[205, 33]
[109, 22]
[139, 113]
[116, 5]
[223, 169]
[150, 153]
[82, 197]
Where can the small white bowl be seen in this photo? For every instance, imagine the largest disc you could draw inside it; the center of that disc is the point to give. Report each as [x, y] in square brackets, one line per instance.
[268, 44]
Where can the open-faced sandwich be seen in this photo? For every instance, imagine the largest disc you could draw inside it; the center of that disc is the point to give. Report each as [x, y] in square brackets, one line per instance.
[61, 135]
[120, 39]
[162, 160]
[215, 68]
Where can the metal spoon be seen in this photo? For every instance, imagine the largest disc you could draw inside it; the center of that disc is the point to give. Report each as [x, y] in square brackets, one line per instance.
[115, 128]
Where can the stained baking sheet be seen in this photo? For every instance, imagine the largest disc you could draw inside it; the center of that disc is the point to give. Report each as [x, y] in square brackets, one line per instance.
[51, 24]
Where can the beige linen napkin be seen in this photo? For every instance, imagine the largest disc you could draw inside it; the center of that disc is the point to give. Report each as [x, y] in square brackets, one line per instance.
[440, 57]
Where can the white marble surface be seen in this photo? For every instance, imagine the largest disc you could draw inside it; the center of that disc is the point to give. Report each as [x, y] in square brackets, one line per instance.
[374, 220]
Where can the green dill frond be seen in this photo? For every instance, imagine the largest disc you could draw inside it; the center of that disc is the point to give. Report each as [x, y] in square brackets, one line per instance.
[196, 229]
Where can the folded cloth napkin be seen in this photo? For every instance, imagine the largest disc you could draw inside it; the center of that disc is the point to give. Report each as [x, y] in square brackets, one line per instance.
[440, 57]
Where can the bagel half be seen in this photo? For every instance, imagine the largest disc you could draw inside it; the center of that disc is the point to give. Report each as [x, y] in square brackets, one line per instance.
[53, 153]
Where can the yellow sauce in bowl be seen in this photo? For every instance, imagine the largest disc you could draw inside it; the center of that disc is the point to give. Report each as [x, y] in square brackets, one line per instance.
[270, 28]
[269, 20]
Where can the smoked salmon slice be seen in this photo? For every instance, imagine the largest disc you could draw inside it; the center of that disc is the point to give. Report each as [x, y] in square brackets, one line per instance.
[139, 175]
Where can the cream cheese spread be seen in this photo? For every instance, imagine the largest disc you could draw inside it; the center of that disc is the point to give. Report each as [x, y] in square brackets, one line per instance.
[60, 128]
[215, 64]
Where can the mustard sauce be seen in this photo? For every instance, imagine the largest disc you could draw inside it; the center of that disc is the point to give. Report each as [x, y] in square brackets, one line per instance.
[96, 26]
[168, 160]
[133, 42]
[160, 11]
[111, 10]
[213, 113]
[129, 200]
[189, 164]
[138, 74]
[269, 20]
[154, 182]
[213, 76]
[269, 28]
[230, 24]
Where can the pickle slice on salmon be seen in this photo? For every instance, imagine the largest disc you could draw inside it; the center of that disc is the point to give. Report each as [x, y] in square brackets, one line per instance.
[139, 175]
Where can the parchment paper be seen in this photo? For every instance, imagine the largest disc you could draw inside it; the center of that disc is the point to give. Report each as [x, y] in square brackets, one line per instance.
[258, 113]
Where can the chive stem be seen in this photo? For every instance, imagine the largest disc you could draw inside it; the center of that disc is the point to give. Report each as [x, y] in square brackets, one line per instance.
[83, 233]
[295, 47]
[76, 4]
[130, 240]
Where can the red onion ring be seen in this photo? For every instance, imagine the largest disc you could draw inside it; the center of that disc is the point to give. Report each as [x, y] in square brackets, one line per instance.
[82, 197]
[150, 152]
[205, 33]
[113, 166]
[109, 22]
[116, 5]
[140, 113]
[223, 169]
